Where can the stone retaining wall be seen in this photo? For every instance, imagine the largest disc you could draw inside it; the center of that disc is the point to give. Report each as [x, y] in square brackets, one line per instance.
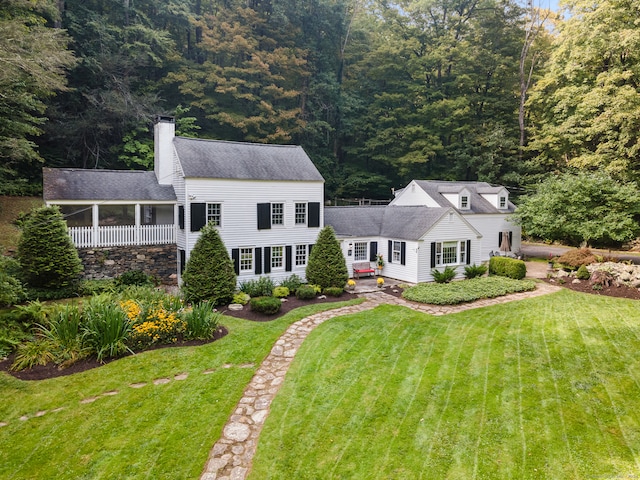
[159, 261]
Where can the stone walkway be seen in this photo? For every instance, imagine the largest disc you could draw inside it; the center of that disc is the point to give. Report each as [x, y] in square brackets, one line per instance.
[231, 456]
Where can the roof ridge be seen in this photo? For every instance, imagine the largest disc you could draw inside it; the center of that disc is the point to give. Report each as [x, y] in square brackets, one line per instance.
[238, 142]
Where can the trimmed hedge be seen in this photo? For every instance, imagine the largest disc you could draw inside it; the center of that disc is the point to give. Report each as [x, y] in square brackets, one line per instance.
[507, 267]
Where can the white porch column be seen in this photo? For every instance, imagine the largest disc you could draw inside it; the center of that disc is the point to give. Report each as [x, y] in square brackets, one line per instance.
[136, 230]
[95, 240]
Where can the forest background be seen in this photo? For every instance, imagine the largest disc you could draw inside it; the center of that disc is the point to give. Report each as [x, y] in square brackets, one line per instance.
[377, 92]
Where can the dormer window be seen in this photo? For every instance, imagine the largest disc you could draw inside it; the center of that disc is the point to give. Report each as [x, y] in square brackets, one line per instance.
[464, 202]
[502, 202]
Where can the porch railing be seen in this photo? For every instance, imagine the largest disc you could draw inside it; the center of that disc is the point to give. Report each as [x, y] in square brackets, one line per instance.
[122, 235]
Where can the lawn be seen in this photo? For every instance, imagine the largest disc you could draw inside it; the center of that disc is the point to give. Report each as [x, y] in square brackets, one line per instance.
[543, 388]
[162, 431]
[10, 208]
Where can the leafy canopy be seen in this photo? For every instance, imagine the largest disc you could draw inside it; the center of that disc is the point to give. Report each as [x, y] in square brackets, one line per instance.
[590, 208]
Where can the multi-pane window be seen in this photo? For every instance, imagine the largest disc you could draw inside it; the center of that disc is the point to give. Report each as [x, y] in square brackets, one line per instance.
[451, 253]
[214, 214]
[277, 214]
[464, 202]
[301, 255]
[301, 213]
[277, 257]
[396, 253]
[246, 259]
[360, 251]
[503, 202]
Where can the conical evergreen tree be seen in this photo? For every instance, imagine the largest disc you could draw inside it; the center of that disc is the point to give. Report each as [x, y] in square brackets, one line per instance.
[327, 267]
[209, 274]
[47, 255]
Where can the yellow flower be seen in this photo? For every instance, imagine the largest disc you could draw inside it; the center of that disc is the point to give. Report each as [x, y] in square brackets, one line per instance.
[351, 283]
[380, 281]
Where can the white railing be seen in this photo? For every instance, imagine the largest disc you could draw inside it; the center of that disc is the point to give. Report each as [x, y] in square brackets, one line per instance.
[120, 235]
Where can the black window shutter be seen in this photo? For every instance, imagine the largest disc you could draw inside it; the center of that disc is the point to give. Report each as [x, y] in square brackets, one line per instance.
[309, 252]
[373, 251]
[257, 264]
[235, 256]
[433, 254]
[403, 253]
[468, 252]
[511, 239]
[390, 251]
[314, 214]
[181, 216]
[198, 216]
[267, 259]
[288, 254]
[183, 260]
[264, 216]
[499, 239]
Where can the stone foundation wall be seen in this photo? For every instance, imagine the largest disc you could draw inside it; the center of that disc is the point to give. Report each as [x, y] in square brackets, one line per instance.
[108, 262]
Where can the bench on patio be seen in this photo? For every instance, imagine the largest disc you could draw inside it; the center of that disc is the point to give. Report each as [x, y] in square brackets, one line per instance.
[362, 267]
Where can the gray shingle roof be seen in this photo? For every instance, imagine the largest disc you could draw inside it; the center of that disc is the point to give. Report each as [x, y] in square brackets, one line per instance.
[435, 189]
[401, 222]
[246, 161]
[81, 184]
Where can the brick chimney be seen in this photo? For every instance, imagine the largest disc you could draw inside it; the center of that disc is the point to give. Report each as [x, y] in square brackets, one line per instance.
[164, 131]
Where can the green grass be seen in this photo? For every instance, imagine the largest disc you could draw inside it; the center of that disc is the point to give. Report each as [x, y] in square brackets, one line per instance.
[157, 431]
[10, 208]
[547, 387]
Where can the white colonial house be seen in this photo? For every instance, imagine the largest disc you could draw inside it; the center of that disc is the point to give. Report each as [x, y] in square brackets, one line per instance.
[429, 225]
[267, 202]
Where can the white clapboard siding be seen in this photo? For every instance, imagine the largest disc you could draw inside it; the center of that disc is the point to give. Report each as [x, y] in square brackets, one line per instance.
[490, 227]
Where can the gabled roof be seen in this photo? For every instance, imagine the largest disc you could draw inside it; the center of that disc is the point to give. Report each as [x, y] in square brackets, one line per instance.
[401, 222]
[478, 204]
[82, 184]
[244, 161]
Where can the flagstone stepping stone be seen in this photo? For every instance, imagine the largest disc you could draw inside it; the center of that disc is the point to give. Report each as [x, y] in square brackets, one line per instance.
[89, 400]
[23, 418]
[246, 365]
[161, 381]
[3, 424]
[59, 409]
[181, 376]
[110, 393]
[209, 371]
[41, 413]
[138, 385]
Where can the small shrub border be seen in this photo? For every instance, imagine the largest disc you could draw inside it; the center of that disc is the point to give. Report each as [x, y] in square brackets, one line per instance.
[266, 305]
[466, 291]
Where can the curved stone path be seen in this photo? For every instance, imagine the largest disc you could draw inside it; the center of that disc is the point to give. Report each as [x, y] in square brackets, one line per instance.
[231, 456]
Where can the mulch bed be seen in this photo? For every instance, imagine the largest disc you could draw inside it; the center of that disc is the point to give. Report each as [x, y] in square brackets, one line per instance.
[587, 287]
[41, 372]
[49, 371]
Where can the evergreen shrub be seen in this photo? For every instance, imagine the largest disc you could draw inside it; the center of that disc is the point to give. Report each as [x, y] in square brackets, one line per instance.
[583, 273]
[305, 292]
[333, 291]
[473, 271]
[281, 292]
[507, 267]
[445, 276]
[292, 282]
[266, 305]
[47, 256]
[262, 287]
[209, 274]
[135, 277]
[326, 266]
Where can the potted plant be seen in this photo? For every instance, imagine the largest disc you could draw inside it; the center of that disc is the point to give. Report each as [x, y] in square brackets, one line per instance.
[380, 282]
[351, 284]
[379, 262]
